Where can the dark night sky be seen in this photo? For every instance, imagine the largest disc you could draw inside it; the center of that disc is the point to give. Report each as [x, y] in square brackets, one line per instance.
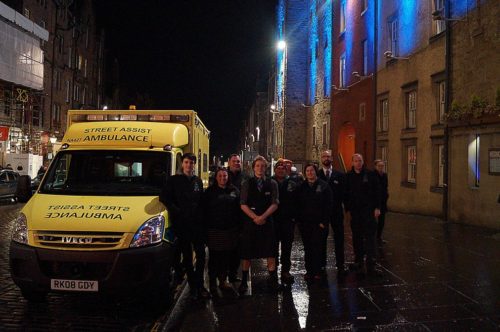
[201, 55]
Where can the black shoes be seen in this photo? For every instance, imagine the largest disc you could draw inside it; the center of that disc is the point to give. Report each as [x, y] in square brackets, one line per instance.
[243, 287]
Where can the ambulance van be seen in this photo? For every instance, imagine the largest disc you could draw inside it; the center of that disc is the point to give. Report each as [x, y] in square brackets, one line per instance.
[96, 224]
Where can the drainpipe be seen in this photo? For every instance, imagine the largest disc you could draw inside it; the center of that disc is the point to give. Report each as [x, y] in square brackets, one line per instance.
[375, 70]
[446, 187]
[54, 41]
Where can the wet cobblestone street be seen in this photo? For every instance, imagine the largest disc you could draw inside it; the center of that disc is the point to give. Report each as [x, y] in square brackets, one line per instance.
[437, 276]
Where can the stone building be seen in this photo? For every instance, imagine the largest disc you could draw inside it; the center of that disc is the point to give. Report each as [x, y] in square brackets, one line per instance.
[21, 83]
[411, 87]
[474, 114]
[73, 63]
[353, 116]
[291, 84]
[318, 104]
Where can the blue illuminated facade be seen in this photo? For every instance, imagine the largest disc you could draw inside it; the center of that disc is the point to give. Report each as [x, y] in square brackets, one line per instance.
[280, 58]
[313, 50]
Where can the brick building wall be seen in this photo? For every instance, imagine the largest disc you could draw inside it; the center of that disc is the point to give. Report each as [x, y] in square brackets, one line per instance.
[352, 115]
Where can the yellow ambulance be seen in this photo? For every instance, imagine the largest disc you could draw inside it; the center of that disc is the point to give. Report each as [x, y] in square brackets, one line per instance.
[95, 223]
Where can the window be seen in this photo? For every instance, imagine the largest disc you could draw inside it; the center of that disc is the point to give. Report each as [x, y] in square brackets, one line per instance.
[440, 179]
[362, 112]
[56, 113]
[68, 91]
[84, 92]
[76, 93]
[411, 154]
[57, 80]
[342, 78]
[205, 162]
[26, 12]
[60, 46]
[383, 156]
[383, 116]
[85, 68]
[440, 25]
[87, 38]
[473, 158]
[393, 36]
[314, 136]
[365, 57]
[70, 57]
[80, 62]
[411, 109]
[441, 101]
[325, 134]
[342, 16]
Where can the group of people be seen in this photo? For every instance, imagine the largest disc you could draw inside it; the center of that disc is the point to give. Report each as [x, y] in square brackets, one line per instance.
[240, 218]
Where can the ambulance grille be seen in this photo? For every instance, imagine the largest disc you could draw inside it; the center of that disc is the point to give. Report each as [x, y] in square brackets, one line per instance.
[78, 240]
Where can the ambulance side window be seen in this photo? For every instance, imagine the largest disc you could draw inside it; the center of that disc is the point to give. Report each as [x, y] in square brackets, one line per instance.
[178, 163]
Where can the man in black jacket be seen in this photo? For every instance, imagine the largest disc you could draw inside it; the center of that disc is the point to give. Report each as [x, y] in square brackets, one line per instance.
[363, 205]
[182, 197]
[337, 182]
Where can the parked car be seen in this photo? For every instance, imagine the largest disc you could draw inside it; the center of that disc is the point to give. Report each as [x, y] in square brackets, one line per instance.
[8, 184]
[35, 182]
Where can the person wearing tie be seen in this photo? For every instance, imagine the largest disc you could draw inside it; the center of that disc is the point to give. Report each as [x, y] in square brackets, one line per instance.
[258, 200]
[337, 182]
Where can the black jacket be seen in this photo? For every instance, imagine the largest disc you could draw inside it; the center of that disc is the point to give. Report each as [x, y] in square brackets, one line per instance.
[311, 202]
[337, 183]
[363, 191]
[221, 207]
[236, 179]
[384, 189]
[287, 209]
[182, 197]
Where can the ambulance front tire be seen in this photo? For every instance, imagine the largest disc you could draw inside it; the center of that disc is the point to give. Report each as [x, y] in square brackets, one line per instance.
[34, 296]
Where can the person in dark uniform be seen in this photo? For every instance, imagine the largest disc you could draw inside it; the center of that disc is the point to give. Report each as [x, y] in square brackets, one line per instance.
[236, 178]
[259, 200]
[384, 192]
[363, 206]
[284, 220]
[182, 197]
[313, 219]
[337, 182]
[221, 204]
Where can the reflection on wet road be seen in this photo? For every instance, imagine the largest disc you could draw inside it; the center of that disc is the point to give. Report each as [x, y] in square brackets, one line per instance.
[436, 276]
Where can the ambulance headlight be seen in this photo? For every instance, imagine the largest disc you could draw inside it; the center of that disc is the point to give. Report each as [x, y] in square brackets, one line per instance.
[151, 232]
[20, 232]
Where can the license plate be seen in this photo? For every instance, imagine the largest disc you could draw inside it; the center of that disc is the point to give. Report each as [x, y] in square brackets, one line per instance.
[74, 285]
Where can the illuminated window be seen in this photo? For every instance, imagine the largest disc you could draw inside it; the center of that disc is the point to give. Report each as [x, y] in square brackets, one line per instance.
[70, 57]
[27, 12]
[411, 154]
[393, 36]
[383, 116]
[441, 101]
[365, 57]
[85, 68]
[84, 92]
[342, 78]
[440, 25]
[342, 17]
[411, 109]
[473, 160]
[76, 93]
[314, 136]
[60, 46]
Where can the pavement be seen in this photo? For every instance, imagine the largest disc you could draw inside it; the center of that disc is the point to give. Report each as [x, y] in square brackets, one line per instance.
[437, 276]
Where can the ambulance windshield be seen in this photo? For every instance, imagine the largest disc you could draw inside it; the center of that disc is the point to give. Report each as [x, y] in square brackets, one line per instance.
[107, 173]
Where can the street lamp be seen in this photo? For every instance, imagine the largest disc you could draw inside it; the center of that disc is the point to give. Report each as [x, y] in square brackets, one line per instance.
[281, 45]
[53, 139]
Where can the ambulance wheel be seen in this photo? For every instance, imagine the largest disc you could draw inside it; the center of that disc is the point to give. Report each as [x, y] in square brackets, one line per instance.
[34, 296]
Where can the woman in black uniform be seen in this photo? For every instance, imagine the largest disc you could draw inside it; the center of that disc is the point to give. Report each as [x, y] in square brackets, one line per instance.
[259, 200]
[315, 200]
[221, 205]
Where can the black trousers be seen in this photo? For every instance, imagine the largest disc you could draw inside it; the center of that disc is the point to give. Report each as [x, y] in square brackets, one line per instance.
[284, 230]
[381, 223]
[364, 230]
[194, 273]
[220, 262]
[337, 223]
[314, 240]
